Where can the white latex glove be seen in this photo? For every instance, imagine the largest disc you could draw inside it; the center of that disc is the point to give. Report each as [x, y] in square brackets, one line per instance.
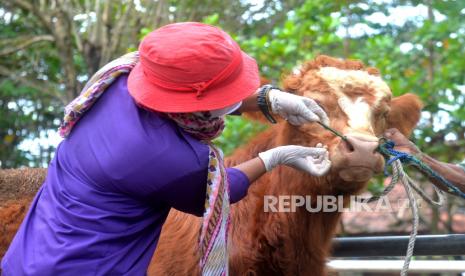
[297, 110]
[315, 161]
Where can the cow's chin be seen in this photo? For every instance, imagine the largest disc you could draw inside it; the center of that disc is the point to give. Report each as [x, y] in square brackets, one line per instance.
[356, 174]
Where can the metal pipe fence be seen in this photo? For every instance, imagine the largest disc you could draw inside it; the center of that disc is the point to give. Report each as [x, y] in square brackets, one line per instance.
[383, 246]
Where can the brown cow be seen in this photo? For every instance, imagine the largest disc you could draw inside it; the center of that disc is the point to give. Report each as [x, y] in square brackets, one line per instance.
[17, 188]
[359, 105]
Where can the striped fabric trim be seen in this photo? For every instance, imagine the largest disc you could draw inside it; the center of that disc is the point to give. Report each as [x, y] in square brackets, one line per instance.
[213, 236]
[94, 89]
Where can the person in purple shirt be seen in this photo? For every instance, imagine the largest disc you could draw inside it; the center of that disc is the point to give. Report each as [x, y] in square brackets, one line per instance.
[144, 147]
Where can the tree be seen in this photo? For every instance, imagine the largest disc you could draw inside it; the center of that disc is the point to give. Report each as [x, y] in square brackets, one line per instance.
[49, 48]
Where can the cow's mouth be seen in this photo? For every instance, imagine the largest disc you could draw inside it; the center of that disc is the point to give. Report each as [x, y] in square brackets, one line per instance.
[356, 160]
[356, 174]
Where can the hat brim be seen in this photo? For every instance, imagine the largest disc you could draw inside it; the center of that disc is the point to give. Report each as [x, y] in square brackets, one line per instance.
[218, 96]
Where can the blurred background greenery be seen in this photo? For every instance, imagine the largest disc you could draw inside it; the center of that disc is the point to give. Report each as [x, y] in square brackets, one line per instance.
[49, 48]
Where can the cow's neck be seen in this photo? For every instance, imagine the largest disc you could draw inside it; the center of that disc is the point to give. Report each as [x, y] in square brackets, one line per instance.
[301, 231]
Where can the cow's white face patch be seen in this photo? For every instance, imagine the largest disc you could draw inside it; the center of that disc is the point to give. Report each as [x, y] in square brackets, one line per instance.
[357, 110]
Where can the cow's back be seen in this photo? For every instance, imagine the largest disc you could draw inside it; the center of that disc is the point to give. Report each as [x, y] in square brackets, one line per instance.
[17, 189]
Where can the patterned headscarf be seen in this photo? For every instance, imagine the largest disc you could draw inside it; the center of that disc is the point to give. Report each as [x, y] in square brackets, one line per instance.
[199, 124]
[203, 126]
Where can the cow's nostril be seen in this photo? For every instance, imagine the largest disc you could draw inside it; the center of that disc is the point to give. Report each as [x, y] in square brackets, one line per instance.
[348, 145]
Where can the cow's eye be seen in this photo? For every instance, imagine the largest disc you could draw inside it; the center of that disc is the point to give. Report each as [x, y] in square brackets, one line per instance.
[321, 105]
[383, 111]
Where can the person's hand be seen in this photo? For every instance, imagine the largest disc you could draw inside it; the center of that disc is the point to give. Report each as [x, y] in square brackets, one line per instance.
[401, 142]
[297, 110]
[315, 160]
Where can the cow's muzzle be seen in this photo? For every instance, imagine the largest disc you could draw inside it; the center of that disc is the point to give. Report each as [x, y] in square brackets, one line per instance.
[357, 158]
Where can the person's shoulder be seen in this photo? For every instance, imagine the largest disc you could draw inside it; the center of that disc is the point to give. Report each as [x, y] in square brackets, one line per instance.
[165, 139]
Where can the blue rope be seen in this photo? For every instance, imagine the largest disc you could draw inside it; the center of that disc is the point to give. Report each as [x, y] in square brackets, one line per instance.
[387, 149]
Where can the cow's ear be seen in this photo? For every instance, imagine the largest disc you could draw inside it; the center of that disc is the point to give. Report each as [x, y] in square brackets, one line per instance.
[405, 113]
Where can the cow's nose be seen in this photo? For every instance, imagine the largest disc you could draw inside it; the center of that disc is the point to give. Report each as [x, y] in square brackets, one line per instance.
[360, 147]
[360, 158]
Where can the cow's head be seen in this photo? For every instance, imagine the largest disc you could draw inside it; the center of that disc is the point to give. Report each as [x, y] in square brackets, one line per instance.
[360, 106]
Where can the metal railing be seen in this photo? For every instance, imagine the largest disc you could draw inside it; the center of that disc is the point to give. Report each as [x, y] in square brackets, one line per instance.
[382, 246]
[393, 266]
[356, 248]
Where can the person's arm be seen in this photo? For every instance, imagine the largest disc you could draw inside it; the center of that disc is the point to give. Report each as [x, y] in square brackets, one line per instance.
[451, 172]
[249, 104]
[253, 169]
[314, 161]
[241, 176]
[296, 109]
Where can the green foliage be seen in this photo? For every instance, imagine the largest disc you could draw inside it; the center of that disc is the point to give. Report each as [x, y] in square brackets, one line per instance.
[49, 49]
[237, 131]
[307, 31]
[432, 68]
[211, 19]
[22, 119]
[24, 111]
[423, 55]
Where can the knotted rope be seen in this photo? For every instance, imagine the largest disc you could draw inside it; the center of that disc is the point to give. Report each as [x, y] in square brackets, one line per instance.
[395, 159]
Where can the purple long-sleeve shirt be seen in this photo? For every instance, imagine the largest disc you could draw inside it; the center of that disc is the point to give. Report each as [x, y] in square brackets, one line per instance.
[109, 190]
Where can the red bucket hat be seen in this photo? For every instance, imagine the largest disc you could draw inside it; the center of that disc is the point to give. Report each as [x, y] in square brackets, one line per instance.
[189, 67]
